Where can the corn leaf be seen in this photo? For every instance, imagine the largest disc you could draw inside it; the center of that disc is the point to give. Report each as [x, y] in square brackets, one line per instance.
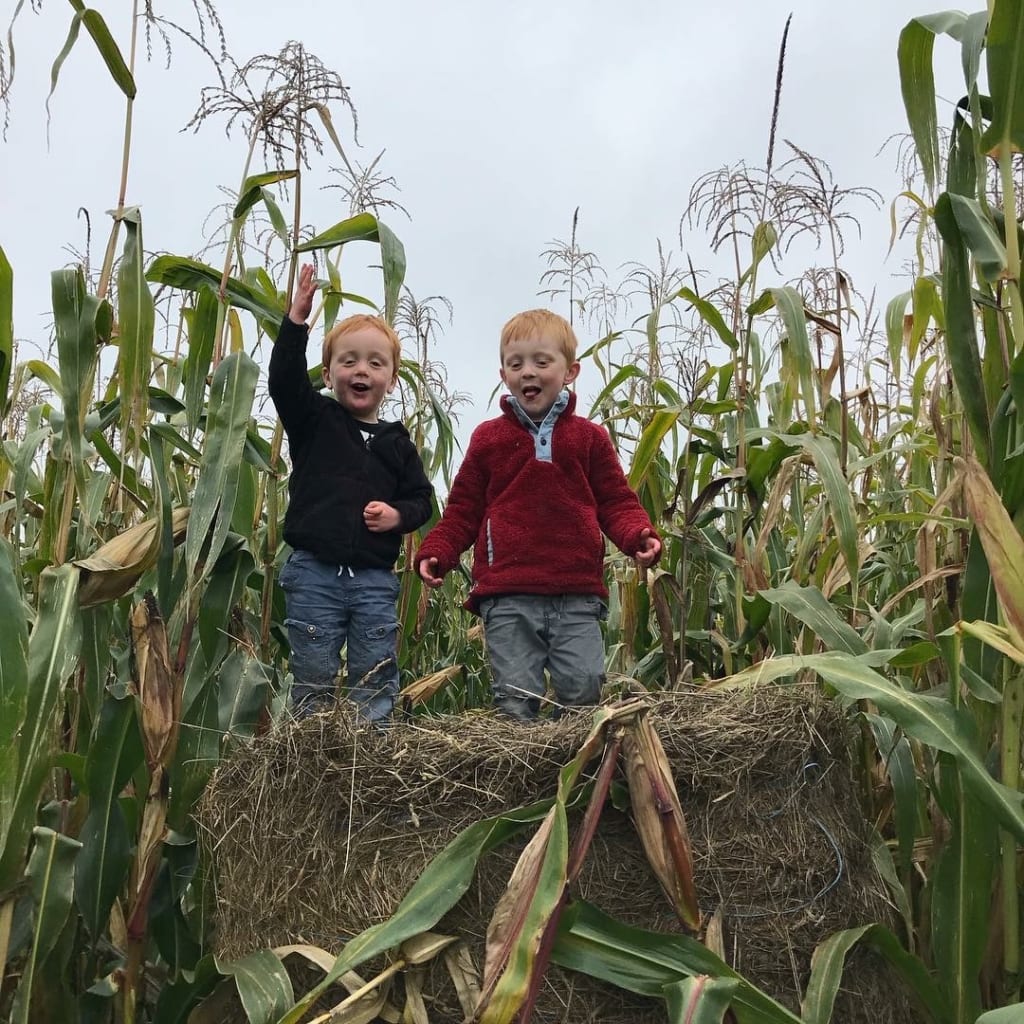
[242, 694]
[252, 189]
[917, 83]
[193, 276]
[960, 880]
[894, 321]
[113, 757]
[364, 227]
[791, 308]
[1004, 54]
[433, 894]
[711, 316]
[231, 397]
[591, 942]
[51, 872]
[649, 445]
[535, 891]
[1002, 543]
[360, 228]
[827, 967]
[392, 257]
[6, 330]
[961, 332]
[136, 318]
[53, 649]
[822, 451]
[700, 1000]
[980, 236]
[13, 687]
[263, 985]
[108, 49]
[809, 606]
[659, 818]
[82, 323]
[932, 720]
[898, 761]
[1005, 1015]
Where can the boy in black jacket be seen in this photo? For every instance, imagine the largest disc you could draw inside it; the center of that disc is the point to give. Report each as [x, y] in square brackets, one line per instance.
[357, 485]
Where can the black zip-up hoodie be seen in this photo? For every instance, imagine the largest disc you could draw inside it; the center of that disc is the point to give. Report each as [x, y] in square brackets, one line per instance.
[335, 473]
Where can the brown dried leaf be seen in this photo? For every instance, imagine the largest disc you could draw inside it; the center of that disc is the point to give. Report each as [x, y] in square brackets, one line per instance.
[415, 1011]
[159, 696]
[421, 690]
[113, 569]
[422, 948]
[1003, 544]
[465, 977]
[509, 916]
[659, 819]
[714, 937]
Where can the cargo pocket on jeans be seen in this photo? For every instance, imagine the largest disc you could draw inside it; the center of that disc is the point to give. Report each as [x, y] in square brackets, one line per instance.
[312, 659]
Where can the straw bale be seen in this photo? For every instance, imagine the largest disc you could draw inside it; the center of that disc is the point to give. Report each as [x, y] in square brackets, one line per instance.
[319, 829]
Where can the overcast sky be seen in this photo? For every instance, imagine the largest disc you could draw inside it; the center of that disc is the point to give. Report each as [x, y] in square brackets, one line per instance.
[498, 120]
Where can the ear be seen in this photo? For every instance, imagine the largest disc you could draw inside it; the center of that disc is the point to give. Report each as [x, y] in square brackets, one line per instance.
[391, 386]
[501, 370]
[572, 372]
[325, 372]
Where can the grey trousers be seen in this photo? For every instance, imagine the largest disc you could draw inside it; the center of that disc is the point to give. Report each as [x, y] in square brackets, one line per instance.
[528, 633]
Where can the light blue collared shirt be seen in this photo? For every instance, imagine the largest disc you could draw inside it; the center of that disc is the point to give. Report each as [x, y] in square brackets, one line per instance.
[542, 432]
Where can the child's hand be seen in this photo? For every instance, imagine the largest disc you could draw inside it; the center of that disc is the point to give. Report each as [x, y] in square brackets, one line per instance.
[428, 572]
[650, 550]
[381, 517]
[302, 298]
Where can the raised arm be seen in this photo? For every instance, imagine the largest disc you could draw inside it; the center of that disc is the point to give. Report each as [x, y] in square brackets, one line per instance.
[292, 394]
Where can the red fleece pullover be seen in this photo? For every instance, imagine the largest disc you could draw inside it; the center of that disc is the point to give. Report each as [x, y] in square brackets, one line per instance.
[536, 526]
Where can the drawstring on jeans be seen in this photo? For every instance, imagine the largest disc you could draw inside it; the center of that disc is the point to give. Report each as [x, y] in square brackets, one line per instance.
[348, 568]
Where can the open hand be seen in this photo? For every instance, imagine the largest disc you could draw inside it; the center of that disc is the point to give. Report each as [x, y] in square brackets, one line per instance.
[302, 298]
[428, 572]
[650, 550]
[381, 517]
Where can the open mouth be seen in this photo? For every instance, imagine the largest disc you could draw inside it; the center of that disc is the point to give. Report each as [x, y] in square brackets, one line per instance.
[360, 387]
[530, 392]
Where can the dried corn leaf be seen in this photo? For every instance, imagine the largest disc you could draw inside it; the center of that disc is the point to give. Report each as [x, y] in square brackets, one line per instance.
[659, 818]
[536, 888]
[465, 977]
[422, 948]
[506, 929]
[371, 1006]
[415, 1011]
[1003, 544]
[421, 690]
[159, 696]
[112, 570]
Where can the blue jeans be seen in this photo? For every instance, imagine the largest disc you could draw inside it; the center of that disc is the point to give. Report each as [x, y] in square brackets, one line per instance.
[327, 606]
[528, 633]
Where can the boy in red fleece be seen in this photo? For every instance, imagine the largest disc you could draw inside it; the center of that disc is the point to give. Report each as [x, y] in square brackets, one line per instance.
[536, 490]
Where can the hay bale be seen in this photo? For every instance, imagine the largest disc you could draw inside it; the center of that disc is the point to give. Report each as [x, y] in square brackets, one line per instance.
[319, 830]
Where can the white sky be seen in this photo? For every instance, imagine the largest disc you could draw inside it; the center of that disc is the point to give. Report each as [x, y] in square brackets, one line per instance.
[498, 120]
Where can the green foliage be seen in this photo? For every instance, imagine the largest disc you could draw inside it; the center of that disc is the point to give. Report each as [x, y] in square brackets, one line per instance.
[813, 531]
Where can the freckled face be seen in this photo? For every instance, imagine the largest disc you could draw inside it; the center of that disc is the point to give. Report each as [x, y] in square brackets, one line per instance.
[535, 371]
[361, 371]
